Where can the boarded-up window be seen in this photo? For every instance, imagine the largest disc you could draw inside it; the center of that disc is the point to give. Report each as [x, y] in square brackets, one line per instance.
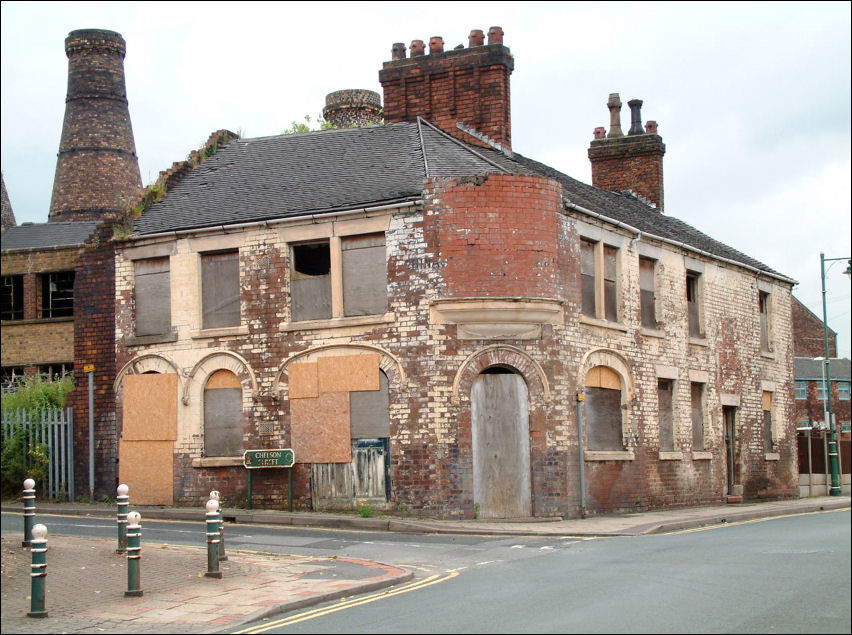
[603, 409]
[223, 415]
[763, 305]
[369, 414]
[57, 294]
[365, 275]
[153, 296]
[665, 414]
[647, 297]
[587, 274]
[697, 396]
[310, 281]
[220, 290]
[13, 298]
[693, 303]
[768, 437]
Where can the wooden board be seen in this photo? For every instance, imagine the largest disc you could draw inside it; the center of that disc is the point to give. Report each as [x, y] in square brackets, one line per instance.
[319, 429]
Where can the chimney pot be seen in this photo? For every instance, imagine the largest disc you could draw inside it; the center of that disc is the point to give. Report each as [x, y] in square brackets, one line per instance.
[495, 35]
[651, 127]
[476, 38]
[635, 117]
[600, 132]
[417, 48]
[436, 45]
[614, 105]
[398, 51]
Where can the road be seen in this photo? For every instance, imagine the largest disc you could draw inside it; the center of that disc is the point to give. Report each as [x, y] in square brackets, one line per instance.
[779, 575]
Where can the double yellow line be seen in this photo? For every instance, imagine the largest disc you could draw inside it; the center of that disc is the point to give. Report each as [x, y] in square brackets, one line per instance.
[348, 604]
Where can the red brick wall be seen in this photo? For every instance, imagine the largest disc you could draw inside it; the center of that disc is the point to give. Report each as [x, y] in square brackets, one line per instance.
[94, 343]
[808, 335]
[497, 235]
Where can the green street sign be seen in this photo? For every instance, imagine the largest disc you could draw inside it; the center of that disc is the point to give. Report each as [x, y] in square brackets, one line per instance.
[253, 459]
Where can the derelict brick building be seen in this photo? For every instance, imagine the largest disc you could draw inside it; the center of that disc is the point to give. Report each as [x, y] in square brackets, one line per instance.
[435, 323]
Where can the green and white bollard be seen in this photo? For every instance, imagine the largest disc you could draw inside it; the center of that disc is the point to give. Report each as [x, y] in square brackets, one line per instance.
[29, 511]
[216, 496]
[212, 507]
[39, 571]
[134, 554]
[123, 501]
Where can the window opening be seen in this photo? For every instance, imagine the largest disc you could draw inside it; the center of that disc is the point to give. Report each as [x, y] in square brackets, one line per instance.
[697, 398]
[57, 294]
[12, 298]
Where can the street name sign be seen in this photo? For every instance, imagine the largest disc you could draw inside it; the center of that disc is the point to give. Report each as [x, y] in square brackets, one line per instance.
[253, 459]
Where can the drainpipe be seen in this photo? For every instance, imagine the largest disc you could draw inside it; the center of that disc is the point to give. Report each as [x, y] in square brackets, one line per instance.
[581, 397]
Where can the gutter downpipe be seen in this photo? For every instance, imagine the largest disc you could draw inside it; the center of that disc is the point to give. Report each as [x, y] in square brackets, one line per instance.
[278, 221]
[639, 234]
[581, 398]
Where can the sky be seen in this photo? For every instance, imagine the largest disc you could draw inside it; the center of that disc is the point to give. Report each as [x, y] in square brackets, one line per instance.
[752, 99]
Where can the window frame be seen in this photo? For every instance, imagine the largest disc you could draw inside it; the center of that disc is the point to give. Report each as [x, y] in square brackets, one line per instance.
[63, 306]
[207, 263]
[606, 278]
[699, 423]
[163, 312]
[694, 298]
[13, 299]
[644, 302]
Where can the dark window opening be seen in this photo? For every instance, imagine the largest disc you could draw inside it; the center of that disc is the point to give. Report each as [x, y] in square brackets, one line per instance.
[692, 303]
[57, 294]
[12, 298]
[313, 259]
[499, 370]
[52, 372]
[604, 423]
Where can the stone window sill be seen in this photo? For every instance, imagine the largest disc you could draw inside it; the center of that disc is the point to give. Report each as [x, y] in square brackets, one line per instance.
[68, 318]
[767, 354]
[217, 461]
[772, 456]
[220, 332]
[608, 455]
[670, 456]
[360, 320]
[142, 340]
[604, 324]
[699, 341]
[653, 333]
[702, 456]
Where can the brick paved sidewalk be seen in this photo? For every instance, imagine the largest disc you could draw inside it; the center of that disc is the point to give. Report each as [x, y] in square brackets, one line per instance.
[86, 581]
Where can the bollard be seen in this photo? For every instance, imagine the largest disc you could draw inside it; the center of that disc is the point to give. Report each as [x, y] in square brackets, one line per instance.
[134, 554]
[38, 572]
[29, 511]
[123, 501]
[216, 496]
[213, 539]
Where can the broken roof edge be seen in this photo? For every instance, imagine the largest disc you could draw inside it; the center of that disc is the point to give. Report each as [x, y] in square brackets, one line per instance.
[314, 215]
[677, 243]
[458, 142]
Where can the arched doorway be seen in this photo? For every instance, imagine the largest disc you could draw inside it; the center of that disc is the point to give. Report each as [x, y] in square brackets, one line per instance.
[501, 444]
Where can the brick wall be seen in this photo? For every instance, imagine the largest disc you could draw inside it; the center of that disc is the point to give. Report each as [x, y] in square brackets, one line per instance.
[632, 163]
[448, 250]
[808, 334]
[94, 343]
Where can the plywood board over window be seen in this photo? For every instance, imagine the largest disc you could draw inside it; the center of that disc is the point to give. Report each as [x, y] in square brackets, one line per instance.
[603, 409]
[320, 429]
[348, 372]
[149, 428]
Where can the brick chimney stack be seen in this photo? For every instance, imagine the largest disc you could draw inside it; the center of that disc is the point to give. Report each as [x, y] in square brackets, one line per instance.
[466, 87]
[632, 162]
[353, 108]
[97, 171]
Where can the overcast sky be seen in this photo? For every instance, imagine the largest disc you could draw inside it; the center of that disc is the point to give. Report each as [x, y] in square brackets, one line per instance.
[752, 99]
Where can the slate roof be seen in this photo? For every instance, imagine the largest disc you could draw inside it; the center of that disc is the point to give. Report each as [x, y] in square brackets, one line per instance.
[48, 235]
[319, 172]
[808, 368]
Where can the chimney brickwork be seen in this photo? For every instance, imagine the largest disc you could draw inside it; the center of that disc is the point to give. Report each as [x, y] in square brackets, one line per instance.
[631, 162]
[97, 171]
[353, 108]
[468, 86]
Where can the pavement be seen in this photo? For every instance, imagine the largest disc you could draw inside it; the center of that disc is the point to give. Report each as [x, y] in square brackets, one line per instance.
[86, 578]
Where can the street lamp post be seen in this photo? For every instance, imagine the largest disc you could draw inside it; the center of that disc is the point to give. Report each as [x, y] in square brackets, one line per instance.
[832, 432]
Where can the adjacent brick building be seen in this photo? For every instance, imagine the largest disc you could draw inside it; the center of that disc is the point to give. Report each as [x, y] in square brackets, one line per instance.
[437, 324]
